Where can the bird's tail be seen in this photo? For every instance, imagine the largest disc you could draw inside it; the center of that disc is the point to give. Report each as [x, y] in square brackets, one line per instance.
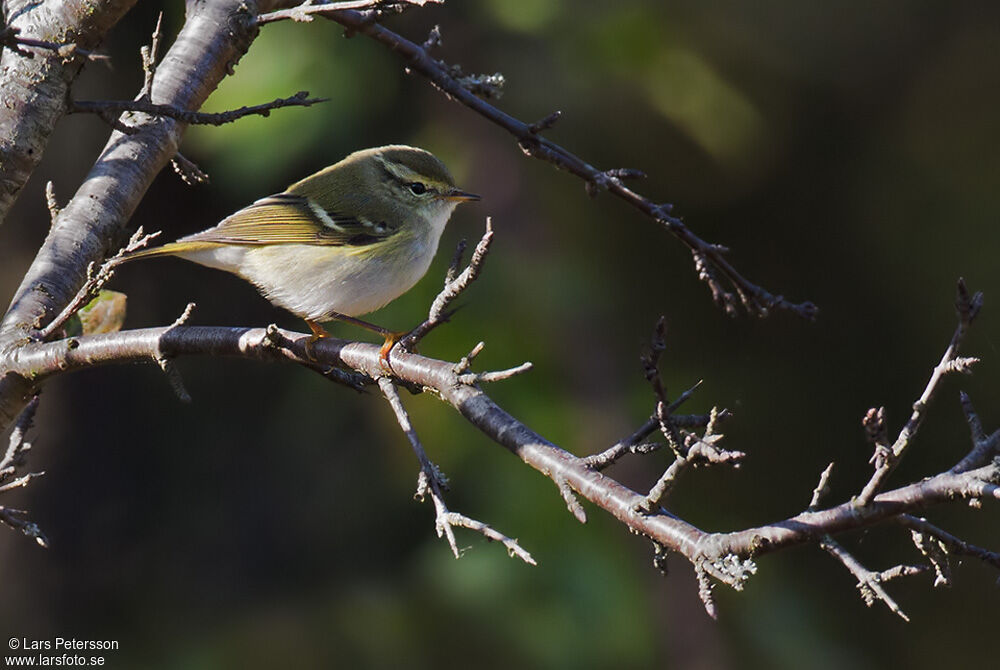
[169, 249]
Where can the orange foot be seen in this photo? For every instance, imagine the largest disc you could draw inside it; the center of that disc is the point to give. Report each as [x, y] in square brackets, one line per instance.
[392, 338]
[317, 334]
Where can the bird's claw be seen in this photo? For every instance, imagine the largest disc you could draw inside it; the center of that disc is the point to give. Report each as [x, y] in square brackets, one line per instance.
[317, 334]
[392, 338]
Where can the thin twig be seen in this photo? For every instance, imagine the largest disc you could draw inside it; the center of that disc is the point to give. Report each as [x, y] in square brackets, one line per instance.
[188, 170]
[167, 364]
[174, 379]
[603, 459]
[456, 262]
[10, 37]
[454, 286]
[546, 122]
[149, 55]
[951, 542]
[94, 283]
[21, 481]
[434, 38]
[569, 497]
[304, 12]
[659, 490]
[466, 361]
[696, 450]
[51, 202]
[821, 488]
[15, 519]
[705, 587]
[629, 445]
[984, 447]
[650, 362]
[513, 548]
[184, 315]
[689, 449]
[870, 583]
[104, 108]
[17, 445]
[886, 459]
[431, 481]
[495, 376]
[13, 457]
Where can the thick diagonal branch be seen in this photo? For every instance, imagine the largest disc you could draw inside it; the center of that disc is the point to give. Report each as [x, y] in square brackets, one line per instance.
[755, 299]
[34, 89]
[93, 224]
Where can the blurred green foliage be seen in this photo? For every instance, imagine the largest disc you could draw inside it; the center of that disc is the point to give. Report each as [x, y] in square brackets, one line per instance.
[846, 152]
[247, 156]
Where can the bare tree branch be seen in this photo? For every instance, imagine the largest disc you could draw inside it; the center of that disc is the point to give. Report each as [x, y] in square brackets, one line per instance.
[149, 55]
[432, 481]
[496, 375]
[725, 556]
[188, 170]
[306, 10]
[821, 488]
[984, 446]
[709, 257]
[870, 583]
[695, 450]
[634, 443]
[886, 458]
[214, 37]
[10, 38]
[950, 542]
[106, 108]
[95, 281]
[35, 89]
[13, 458]
[454, 285]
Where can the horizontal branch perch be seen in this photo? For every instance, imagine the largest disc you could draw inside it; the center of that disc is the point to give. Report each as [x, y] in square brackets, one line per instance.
[714, 552]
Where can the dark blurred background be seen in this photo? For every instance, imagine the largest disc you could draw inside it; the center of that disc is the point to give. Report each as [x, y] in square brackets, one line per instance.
[846, 152]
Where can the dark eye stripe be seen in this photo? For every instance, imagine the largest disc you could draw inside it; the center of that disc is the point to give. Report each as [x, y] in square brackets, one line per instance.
[414, 187]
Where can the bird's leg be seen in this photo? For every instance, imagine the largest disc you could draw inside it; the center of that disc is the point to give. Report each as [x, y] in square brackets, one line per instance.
[391, 337]
[317, 334]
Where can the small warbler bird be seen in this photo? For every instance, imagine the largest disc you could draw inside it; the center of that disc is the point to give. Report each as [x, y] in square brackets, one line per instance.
[340, 243]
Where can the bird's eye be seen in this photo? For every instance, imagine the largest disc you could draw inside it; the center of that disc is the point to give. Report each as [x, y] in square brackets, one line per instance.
[416, 188]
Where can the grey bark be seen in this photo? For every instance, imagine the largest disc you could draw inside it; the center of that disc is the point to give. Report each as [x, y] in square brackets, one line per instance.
[33, 91]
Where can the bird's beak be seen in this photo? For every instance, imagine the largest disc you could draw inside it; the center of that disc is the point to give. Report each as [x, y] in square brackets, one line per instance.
[458, 195]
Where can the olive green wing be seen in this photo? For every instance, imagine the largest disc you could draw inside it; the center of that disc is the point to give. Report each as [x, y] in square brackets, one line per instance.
[286, 218]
